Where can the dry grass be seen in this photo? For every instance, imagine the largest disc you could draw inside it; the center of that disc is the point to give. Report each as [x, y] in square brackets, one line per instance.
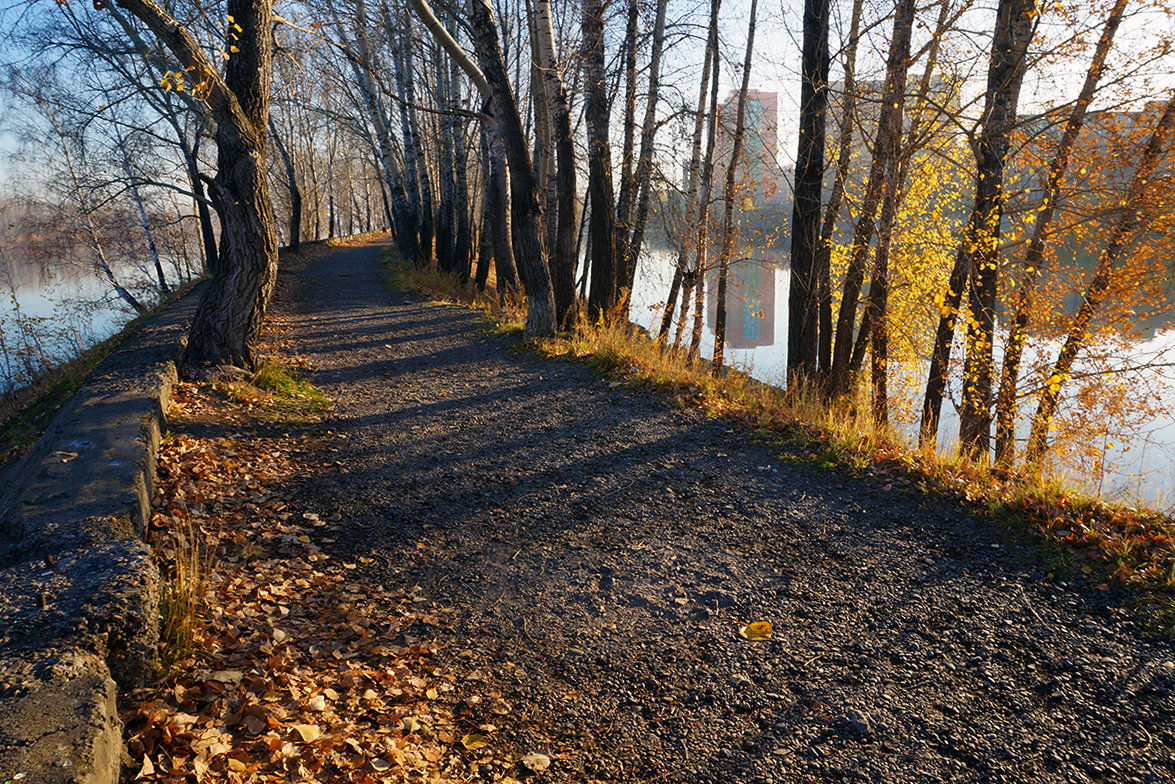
[185, 558]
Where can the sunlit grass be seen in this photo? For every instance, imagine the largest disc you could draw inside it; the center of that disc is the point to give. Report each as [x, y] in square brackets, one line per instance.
[187, 563]
[278, 390]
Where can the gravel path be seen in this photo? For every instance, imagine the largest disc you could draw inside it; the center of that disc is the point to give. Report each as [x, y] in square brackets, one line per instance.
[600, 550]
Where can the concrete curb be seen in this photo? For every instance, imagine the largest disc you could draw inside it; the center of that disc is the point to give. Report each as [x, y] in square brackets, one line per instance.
[79, 593]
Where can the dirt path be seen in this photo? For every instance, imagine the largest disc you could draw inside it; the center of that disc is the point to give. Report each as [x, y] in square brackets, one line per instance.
[600, 551]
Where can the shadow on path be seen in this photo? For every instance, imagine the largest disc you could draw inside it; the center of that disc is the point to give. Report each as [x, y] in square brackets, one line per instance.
[601, 551]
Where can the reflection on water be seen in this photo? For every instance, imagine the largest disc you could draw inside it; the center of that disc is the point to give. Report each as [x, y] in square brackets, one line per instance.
[50, 314]
[756, 328]
[1143, 471]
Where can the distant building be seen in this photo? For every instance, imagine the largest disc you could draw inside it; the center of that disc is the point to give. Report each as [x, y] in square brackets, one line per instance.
[762, 209]
[762, 181]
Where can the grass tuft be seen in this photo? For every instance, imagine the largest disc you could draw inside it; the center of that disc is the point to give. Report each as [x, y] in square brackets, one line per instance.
[187, 562]
[279, 391]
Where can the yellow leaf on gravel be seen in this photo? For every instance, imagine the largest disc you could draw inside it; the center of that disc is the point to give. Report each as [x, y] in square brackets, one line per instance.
[307, 732]
[474, 741]
[759, 630]
[431, 694]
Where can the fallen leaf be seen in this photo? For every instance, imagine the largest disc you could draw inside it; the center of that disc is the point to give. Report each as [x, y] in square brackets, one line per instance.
[147, 770]
[317, 703]
[431, 694]
[379, 763]
[759, 630]
[474, 741]
[410, 724]
[307, 732]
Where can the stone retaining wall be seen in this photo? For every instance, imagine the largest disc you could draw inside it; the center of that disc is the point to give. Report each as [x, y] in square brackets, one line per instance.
[79, 592]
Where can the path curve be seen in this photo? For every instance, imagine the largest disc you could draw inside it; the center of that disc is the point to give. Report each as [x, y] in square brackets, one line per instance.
[600, 550]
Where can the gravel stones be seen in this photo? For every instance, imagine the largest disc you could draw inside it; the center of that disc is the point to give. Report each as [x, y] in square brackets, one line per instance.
[602, 549]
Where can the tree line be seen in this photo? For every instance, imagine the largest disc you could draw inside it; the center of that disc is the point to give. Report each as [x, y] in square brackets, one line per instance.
[979, 195]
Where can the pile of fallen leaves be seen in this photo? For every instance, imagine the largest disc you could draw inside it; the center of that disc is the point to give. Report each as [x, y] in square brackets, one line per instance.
[304, 665]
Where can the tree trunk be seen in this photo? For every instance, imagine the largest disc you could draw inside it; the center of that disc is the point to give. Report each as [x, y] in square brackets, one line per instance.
[691, 196]
[823, 261]
[498, 206]
[416, 181]
[624, 207]
[603, 297]
[137, 198]
[228, 318]
[644, 164]
[878, 304]
[729, 230]
[1005, 444]
[488, 215]
[292, 185]
[207, 231]
[804, 295]
[84, 211]
[563, 256]
[695, 343]
[404, 228]
[525, 209]
[982, 243]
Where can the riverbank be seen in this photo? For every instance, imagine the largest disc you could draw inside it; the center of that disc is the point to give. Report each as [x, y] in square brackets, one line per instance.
[1112, 543]
[26, 411]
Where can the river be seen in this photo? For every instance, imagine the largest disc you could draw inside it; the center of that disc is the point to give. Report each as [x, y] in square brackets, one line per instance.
[49, 314]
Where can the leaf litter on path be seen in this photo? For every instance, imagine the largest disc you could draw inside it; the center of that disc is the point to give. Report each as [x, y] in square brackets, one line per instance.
[303, 668]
